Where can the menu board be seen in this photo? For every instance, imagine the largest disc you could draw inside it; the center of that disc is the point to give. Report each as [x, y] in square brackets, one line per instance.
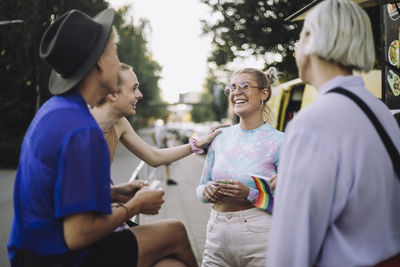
[391, 45]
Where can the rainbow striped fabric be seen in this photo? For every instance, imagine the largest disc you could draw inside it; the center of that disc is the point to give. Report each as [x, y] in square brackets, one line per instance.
[265, 198]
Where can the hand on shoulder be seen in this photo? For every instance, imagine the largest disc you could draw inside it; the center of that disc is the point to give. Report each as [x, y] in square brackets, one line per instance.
[212, 132]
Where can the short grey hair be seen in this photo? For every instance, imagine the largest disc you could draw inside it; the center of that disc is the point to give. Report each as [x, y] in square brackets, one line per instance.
[340, 31]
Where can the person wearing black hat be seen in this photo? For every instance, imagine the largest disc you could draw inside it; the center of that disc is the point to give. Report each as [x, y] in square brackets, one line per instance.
[62, 195]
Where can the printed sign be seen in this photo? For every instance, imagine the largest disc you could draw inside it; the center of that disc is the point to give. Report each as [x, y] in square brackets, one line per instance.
[391, 46]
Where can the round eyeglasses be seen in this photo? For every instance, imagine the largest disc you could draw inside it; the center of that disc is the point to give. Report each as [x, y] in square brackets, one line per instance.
[242, 87]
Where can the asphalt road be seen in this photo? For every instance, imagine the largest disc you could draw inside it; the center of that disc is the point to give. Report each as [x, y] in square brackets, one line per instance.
[6, 212]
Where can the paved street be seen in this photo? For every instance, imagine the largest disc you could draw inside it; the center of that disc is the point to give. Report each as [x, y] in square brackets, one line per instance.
[6, 212]
[180, 201]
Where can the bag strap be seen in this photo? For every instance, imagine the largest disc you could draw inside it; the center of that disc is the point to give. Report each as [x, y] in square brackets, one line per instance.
[389, 145]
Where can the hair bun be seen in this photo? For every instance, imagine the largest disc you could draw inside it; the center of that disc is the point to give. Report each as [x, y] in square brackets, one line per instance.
[272, 75]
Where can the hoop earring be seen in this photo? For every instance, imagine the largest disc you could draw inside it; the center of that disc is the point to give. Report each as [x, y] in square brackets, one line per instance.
[262, 104]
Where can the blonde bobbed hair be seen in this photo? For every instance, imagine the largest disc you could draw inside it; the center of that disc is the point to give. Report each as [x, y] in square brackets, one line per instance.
[340, 32]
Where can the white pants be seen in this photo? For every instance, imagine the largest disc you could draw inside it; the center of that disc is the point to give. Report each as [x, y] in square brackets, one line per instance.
[237, 238]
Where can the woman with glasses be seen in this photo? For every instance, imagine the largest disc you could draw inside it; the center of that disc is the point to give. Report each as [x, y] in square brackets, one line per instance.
[237, 232]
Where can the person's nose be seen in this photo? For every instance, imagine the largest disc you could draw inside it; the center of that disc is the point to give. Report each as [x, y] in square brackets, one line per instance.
[237, 90]
[139, 94]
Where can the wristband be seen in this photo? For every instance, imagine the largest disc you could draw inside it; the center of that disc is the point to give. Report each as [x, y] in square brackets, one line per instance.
[253, 193]
[194, 148]
[119, 204]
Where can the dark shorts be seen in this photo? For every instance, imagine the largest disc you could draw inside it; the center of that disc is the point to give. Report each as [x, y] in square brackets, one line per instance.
[118, 249]
[130, 223]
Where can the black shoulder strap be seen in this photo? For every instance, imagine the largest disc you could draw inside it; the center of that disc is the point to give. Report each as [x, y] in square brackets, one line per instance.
[394, 154]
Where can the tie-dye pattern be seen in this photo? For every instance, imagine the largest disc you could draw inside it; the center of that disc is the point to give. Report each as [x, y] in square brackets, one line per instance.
[236, 153]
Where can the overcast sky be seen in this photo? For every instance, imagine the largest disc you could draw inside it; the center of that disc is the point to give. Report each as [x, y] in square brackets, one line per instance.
[175, 42]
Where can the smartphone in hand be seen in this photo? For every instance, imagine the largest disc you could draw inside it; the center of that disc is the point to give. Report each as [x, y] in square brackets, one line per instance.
[154, 184]
[224, 181]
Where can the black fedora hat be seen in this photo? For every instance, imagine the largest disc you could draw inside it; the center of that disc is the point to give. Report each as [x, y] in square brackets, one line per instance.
[72, 45]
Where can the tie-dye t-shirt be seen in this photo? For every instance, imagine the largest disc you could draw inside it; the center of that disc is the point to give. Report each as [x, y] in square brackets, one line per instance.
[236, 153]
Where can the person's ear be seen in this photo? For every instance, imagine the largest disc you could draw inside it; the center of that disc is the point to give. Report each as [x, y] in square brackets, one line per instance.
[112, 97]
[100, 63]
[265, 94]
[306, 37]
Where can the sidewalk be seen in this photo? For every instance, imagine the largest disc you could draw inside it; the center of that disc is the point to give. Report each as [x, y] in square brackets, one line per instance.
[7, 178]
[181, 202]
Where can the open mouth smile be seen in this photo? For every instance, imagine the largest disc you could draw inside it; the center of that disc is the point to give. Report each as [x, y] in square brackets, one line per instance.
[239, 101]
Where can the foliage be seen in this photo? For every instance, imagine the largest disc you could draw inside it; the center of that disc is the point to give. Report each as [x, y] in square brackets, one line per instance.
[214, 102]
[24, 76]
[254, 27]
[202, 113]
[132, 49]
[257, 27]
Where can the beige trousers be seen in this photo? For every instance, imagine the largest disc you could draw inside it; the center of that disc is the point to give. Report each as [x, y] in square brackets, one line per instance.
[237, 238]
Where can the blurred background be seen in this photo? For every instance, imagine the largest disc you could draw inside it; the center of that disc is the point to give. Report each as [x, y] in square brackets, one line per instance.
[183, 52]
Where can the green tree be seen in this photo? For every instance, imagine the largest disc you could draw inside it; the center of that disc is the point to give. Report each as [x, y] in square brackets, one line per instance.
[202, 112]
[254, 27]
[133, 50]
[214, 103]
[214, 88]
[258, 28]
[24, 76]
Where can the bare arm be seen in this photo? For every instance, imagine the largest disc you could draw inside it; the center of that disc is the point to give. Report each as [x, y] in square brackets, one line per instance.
[83, 229]
[153, 156]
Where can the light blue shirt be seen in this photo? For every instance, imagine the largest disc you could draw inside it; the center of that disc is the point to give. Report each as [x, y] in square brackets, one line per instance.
[338, 199]
[237, 154]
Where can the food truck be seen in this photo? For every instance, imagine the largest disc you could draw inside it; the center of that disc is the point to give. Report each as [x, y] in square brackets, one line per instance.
[290, 97]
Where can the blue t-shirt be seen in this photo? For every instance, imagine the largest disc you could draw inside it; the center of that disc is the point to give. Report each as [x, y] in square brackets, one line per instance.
[236, 153]
[64, 169]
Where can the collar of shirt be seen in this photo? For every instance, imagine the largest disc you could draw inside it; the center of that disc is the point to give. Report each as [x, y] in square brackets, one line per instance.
[76, 98]
[348, 82]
